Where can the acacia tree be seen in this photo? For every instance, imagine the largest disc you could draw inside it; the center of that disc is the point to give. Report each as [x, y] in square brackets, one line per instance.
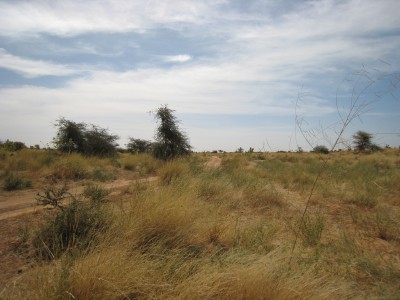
[363, 142]
[170, 142]
[321, 149]
[139, 145]
[70, 136]
[84, 138]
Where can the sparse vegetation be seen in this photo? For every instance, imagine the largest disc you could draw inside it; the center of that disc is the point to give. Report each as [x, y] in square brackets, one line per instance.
[213, 231]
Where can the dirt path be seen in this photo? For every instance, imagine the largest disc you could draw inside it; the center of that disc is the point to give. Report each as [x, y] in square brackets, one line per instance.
[16, 203]
[214, 162]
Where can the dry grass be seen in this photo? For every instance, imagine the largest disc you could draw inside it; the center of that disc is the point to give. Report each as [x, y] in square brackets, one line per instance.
[227, 233]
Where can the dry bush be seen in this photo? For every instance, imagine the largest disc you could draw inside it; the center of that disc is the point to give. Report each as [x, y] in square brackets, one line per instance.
[71, 166]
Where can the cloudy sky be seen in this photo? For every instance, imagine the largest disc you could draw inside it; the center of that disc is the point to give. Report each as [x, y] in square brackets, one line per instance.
[239, 73]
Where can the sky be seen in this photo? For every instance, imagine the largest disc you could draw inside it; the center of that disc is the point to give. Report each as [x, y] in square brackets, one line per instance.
[271, 75]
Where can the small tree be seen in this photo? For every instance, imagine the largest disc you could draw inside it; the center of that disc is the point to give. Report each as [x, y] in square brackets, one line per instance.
[363, 142]
[100, 142]
[77, 137]
[170, 141]
[321, 149]
[240, 150]
[70, 136]
[139, 145]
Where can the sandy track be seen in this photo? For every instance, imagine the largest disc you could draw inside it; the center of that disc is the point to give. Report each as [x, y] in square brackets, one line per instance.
[214, 162]
[16, 203]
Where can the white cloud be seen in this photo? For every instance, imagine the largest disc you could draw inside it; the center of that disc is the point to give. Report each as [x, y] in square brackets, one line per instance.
[178, 58]
[32, 68]
[257, 67]
[76, 17]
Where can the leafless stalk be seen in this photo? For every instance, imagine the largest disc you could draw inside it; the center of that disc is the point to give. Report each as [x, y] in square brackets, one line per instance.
[357, 106]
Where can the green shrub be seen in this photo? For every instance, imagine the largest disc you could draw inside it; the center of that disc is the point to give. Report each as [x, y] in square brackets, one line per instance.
[15, 182]
[71, 228]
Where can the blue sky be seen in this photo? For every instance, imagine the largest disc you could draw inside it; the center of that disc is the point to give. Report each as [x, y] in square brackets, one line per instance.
[238, 73]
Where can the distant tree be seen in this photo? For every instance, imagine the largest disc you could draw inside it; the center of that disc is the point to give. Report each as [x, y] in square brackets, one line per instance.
[70, 136]
[321, 149]
[251, 150]
[84, 138]
[170, 142]
[99, 142]
[240, 150]
[375, 147]
[299, 150]
[12, 146]
[139, 145]
[363, 142]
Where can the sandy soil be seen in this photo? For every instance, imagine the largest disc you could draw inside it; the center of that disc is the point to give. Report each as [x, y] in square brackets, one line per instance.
[16, 203]
[214, 162]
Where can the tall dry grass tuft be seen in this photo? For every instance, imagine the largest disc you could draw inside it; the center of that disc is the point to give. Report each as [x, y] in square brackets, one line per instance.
[72, 166]
[172, 171]
[265, 278]
[143, 163]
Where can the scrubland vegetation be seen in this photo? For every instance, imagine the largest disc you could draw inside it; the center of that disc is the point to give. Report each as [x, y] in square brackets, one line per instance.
[200, 230]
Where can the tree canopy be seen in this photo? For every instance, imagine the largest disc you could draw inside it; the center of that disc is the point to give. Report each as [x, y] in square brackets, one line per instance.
[363, 142]
[87, 139]
[139, 145]
[321, 149]
[170, 140]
